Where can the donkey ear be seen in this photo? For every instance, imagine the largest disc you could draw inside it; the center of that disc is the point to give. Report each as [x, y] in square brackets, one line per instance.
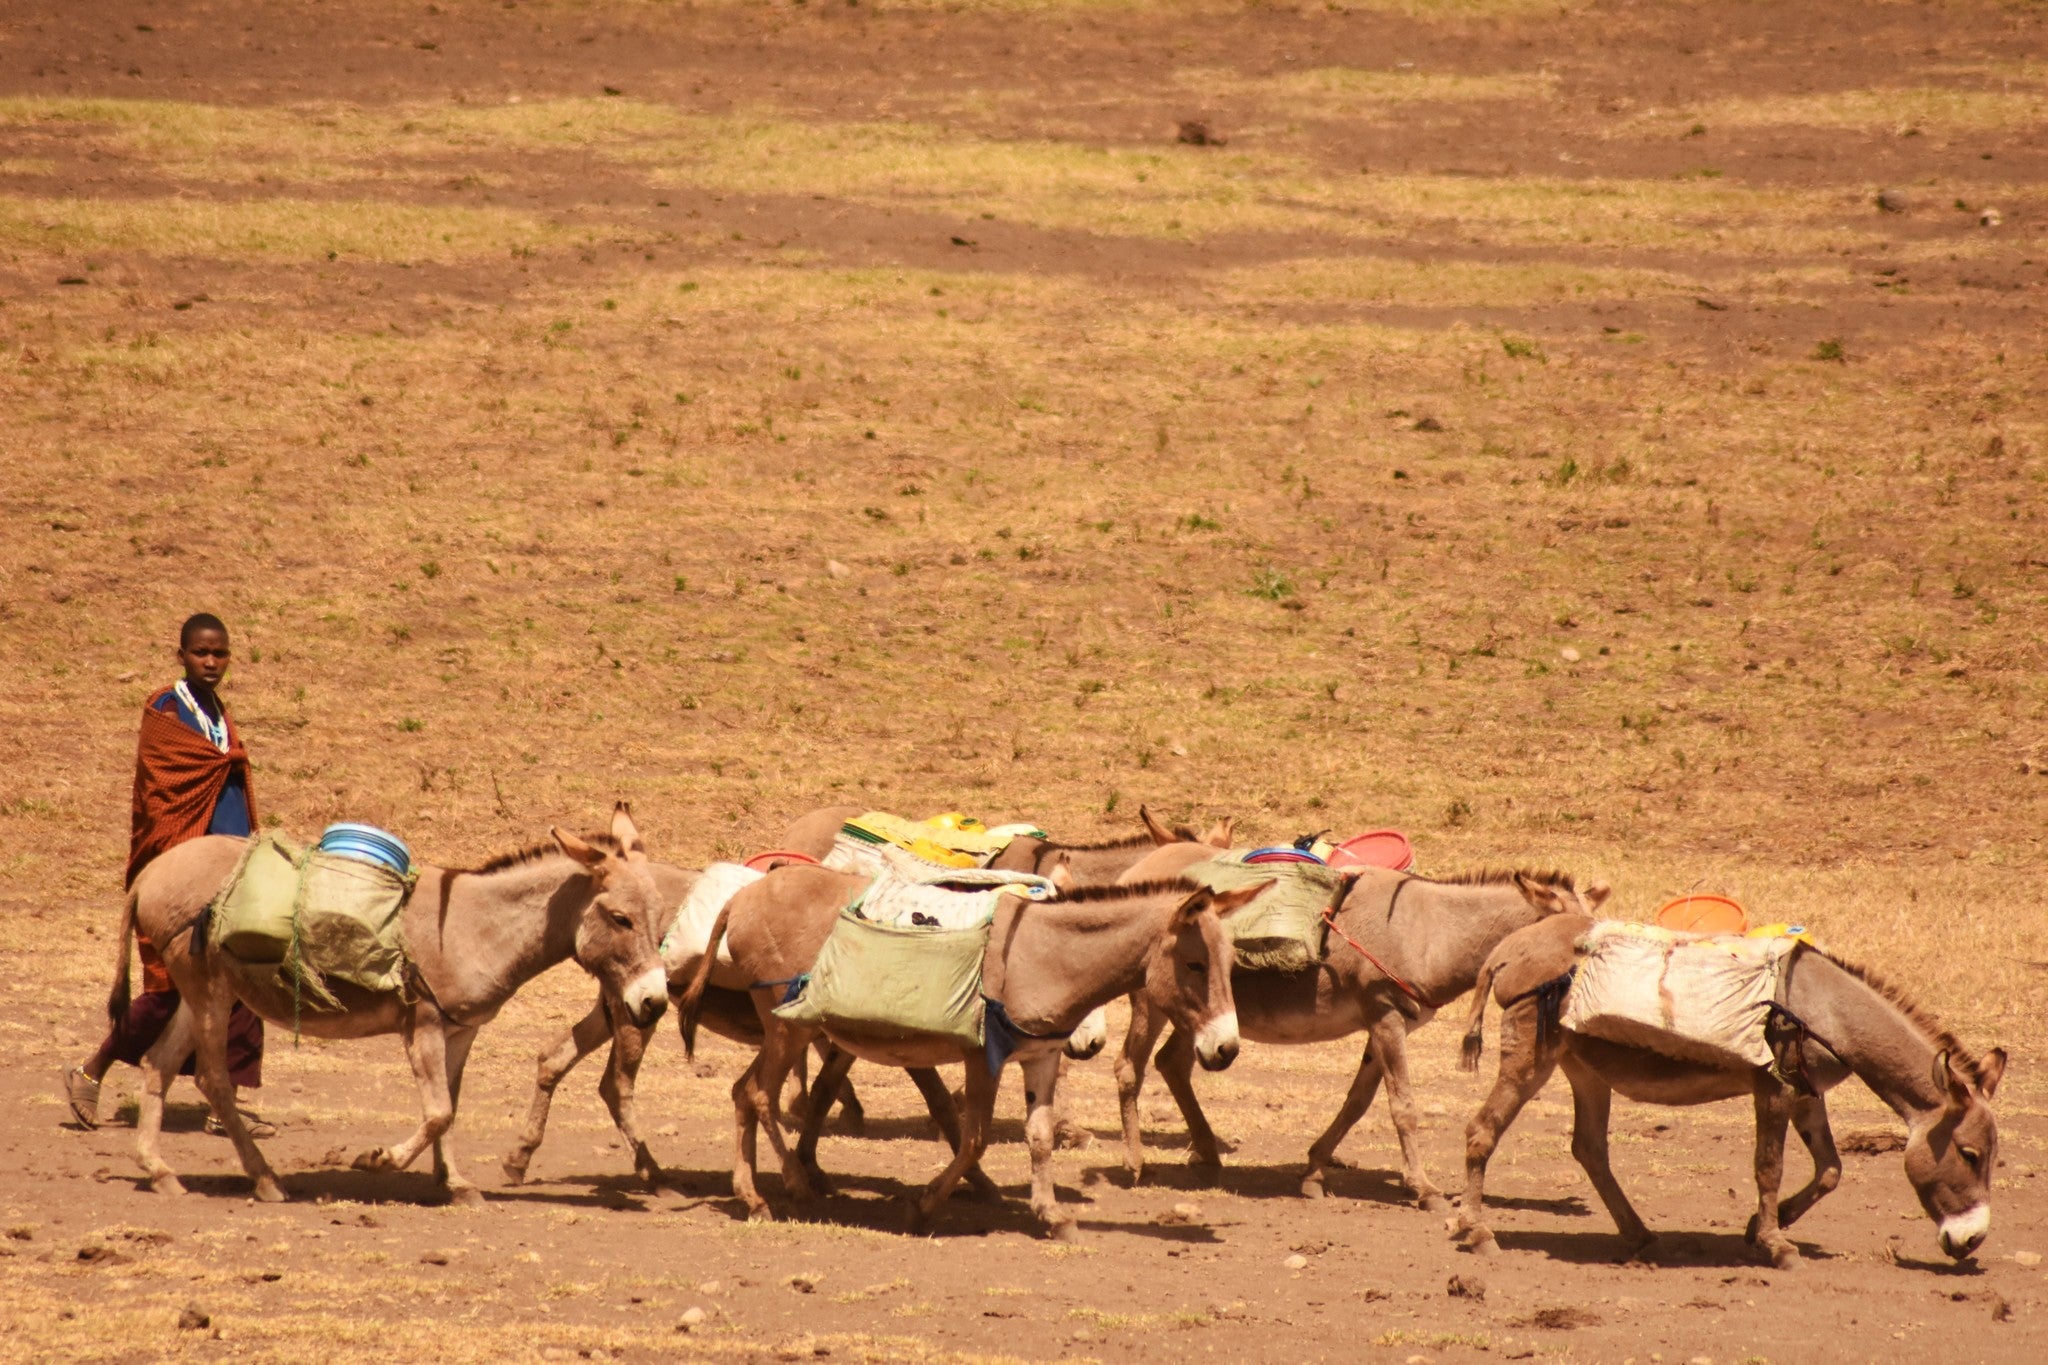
[1992, 1069]
[1537, 894]
[1059, 870]
[1218, 834]
[1951, 1082]
[1160, 833]
[591, 856]
[1225, 903]
[625, 831]
[1596, 895]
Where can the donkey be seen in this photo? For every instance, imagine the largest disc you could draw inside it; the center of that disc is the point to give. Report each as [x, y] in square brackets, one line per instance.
[730, 1014]
[475, 936]
[1400, 947]
[1847, 1021]
[1050, 963]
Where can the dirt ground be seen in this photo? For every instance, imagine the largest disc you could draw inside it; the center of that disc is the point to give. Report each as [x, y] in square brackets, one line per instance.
[1516, 423]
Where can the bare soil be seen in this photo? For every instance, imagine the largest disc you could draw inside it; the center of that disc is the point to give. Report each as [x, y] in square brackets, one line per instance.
[1852, 746]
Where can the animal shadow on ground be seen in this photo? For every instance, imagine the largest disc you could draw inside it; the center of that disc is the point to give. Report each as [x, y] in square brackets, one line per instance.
[1713, 1250]
[1281, 1181]
[330, 1185]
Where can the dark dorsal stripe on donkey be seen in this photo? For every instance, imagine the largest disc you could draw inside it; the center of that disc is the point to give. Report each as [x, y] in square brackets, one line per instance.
[1423, 940]
[730, 1014]
[1850, 1022]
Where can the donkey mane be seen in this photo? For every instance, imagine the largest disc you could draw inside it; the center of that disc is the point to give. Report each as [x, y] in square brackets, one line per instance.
[1182, 832]
[1082, 895]
[1965, 1060]
[1502, 876]
[532, 853]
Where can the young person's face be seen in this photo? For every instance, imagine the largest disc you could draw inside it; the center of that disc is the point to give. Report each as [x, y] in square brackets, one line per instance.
[205, 656]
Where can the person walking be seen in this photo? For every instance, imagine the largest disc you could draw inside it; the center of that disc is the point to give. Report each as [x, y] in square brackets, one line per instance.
[191, 780]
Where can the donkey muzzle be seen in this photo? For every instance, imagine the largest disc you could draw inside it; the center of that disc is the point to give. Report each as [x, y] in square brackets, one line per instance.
[1966, 1231]
[1216, 1043]
[646, 996]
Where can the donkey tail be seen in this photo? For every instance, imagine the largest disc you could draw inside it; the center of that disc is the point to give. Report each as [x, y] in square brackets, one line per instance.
[1475, 1026]
[693, 995]
[117, 995]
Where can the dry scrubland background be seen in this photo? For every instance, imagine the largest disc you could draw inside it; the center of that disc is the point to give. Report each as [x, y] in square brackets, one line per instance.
[1522, 428]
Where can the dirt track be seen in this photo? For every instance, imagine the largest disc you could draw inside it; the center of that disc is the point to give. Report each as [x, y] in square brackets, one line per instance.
[580, 1261]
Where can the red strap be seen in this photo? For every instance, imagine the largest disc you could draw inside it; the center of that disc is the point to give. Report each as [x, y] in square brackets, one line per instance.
[788, 855]
[1330, 918]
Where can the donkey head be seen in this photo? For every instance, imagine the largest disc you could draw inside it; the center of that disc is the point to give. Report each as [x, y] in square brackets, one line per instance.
[1554, 898]
[616, 936]
[1950, 1156]
[1189, 973]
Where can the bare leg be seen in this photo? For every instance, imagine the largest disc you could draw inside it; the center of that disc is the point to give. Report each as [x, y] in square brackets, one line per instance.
[1041, 1090]
[1130, 1080]
[1810, 1118]
[210, 1012]
[1773, 1108]
[974, 1121]
[558, 1061]
[460, 1190]
[746, 1123]
[621, 1072]
[831, 1071]
[1592, 1105]
[1323, 1154]
[160, 1066]
[1524, 1068]
[1176, 1062]
[946, 1118]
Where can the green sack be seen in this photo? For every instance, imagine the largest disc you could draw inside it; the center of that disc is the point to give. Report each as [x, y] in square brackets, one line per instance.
[302, 919]
[252, 916]
[1282, 930]
[348, 927]
[894, 983]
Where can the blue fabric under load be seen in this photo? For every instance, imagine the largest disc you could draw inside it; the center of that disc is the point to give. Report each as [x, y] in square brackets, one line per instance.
[1001, 1036]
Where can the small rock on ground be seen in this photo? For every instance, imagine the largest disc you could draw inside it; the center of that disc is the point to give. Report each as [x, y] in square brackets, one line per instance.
[191, 1318]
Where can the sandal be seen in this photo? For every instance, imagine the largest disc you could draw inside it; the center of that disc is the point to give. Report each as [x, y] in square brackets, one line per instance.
[83, 1094]
[258, 1128]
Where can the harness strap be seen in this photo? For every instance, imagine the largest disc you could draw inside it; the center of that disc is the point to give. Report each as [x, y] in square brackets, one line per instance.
[1001, 1034]
[793, 986]
[1330, 919]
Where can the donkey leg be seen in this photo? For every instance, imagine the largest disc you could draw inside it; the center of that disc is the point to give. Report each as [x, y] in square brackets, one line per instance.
[1592, 1106]
[1065, 1131]
[974, 1121]
[851, 1112]
[1524, 1069]
[426, 1048]
[1390, 1045]
[1041, 1132]
[1810, 1119]
[621, 1075]
[558, 1061]
[1773, 1109]
[938, 1101]
[1323, 1154]
[160, 1066]
[1176, 1062]
[210, 1011]
[831, 1071]
[1130, 1079]
[783, 1046]
[746, 1124]
[460, 1190]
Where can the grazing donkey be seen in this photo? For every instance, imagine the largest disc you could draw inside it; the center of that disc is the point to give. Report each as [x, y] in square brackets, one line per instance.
[475, 937]
[1049, 962]
[1848, 1022]
[1400, 948]
[730, 1014]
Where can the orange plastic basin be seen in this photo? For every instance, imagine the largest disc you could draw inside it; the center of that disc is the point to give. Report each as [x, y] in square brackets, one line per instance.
[1704, 915]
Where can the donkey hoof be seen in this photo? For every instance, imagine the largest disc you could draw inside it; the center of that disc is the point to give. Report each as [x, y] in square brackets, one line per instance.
[1066, 1230]
[166, 1184]
[1312, 1187]
[268, 1191]
[465, 1197]
[1072, 1137]
[760, 1213]
[1434, 1202]
[375, 1159]
[1784, 1255]
[515, 1171]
